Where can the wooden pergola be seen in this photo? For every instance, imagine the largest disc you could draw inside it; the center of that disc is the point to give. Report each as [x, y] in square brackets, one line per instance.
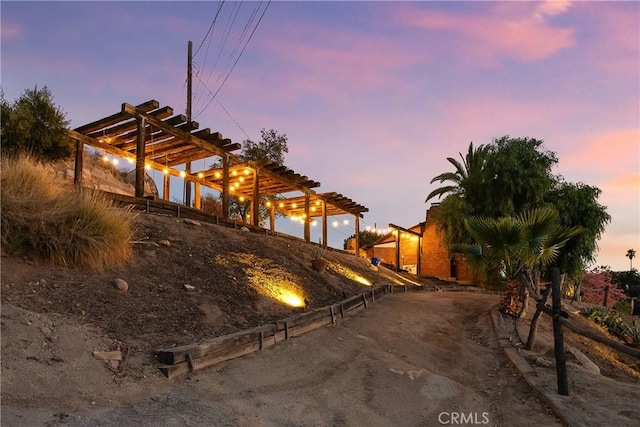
[154, 138]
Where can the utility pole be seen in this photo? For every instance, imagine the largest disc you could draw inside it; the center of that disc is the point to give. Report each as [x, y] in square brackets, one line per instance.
[187, 184]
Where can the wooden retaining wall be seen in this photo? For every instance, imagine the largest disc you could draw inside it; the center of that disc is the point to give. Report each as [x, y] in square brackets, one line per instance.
[188, 358]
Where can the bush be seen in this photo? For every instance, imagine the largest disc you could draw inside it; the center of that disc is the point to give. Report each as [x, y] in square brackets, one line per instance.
[44, 217]
[34, 125]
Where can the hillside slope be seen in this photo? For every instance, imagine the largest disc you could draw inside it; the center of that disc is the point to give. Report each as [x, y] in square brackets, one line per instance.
[189, 281]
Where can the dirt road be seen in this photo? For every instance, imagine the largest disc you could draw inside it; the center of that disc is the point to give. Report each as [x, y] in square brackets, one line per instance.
[410, 360]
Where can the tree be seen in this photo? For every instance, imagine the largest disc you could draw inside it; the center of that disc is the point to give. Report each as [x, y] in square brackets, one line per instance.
[518, 246]
[467, 178]
[365, 238]
[628, 281]
[598, 282]
[518, 177]
[578, 205]
[34, 125]
[271, 147]
[631, 254]
[515, 177]
[462, 193]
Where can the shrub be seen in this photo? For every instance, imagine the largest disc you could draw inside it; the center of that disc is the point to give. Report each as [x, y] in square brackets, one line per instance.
[44, 217]
[34, 125]
[595, 282]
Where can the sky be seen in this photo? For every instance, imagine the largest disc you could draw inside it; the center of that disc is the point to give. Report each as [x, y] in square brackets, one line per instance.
[373, 96]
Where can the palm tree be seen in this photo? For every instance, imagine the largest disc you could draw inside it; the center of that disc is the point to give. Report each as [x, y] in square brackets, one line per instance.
[516, 245]
[468, 175]
[631, 254]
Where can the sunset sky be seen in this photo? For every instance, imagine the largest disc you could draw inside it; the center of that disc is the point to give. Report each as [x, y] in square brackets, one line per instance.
[373, 96]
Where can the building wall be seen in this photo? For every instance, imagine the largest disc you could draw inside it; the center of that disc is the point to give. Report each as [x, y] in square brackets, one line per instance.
[435, 259]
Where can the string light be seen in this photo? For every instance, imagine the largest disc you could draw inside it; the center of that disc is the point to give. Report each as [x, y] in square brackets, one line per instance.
[200, 175]
[183, 174]
[247, 171]
[217, 175]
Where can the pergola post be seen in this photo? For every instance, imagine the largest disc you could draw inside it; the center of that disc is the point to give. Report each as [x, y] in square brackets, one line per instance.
[255, 212]
[77, 172]
[272, 217]
[166, 183]
[398, 249]
[324, 224]
[225, 187]
[140, 158]
[307, 222]
[197, 203]
[357, 237]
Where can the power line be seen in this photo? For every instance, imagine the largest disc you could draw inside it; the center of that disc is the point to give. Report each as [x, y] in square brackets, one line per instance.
[238, 57]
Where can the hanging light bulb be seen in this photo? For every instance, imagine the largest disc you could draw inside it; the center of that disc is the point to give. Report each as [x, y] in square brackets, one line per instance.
[183, 174]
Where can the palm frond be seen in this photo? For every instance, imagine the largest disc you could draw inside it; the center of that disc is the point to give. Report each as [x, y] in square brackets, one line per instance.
[442, 191]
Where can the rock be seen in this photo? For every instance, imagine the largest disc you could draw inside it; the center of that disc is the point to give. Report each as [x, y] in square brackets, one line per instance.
[192, 222]
[164, 243]
[107, 355]
[189, 288]
[544, 362]
[53, 339]
[121, 285]
[244, 229]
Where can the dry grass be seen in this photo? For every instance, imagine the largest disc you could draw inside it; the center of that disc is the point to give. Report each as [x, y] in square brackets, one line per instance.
[45, 217]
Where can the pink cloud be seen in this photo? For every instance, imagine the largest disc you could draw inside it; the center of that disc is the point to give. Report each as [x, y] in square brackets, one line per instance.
[625, 182]
[609, 152]
[617, 46]
[512, 30]
[10, 30]
[343, 59]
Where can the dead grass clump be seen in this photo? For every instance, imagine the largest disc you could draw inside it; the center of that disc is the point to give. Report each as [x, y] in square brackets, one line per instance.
[45, 217]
